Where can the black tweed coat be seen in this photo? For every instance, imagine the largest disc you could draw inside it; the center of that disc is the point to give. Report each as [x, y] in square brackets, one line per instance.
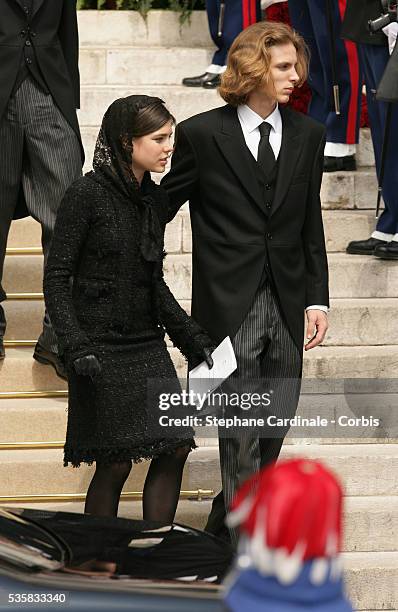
[105, 299]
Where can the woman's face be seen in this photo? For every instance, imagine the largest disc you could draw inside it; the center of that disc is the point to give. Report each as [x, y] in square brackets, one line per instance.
[152, 151]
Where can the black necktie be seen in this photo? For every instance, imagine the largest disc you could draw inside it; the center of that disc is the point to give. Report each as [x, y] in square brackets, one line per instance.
[265, 154]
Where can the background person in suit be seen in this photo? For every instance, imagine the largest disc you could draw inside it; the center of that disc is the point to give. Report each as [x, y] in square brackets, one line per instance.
[309, 17]
[374, 55]
[226, 19]
[39, 133]
[252, 171]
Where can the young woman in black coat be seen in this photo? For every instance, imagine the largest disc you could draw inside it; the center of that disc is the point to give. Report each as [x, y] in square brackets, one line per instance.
[110, 308]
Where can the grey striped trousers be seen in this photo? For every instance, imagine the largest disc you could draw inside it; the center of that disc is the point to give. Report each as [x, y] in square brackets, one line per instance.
[265, 353]
[40, 155]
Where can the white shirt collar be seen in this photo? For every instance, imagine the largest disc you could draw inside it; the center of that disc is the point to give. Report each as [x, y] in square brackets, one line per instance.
[251, 120]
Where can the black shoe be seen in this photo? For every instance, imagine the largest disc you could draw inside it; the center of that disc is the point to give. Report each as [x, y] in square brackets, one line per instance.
[202, 79]
[338, 164]
[387, 251]
[212, 83]
[47, 357]
[364, 247]
[2, 351]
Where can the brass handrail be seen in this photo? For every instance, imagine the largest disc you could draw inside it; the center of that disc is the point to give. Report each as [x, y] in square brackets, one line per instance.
[25, 296]
[32, 394]
[197, 494]
[24, 251]
[16, 343]
[30, 445]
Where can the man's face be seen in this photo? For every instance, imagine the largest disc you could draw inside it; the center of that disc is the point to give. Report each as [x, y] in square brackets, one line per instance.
[283, 75]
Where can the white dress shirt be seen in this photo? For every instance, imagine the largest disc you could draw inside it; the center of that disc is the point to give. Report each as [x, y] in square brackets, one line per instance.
[250, 122]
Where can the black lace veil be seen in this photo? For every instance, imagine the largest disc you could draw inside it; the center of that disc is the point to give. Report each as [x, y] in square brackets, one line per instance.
[112, 158]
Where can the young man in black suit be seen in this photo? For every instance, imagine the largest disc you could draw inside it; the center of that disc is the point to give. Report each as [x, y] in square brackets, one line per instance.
[252, 171]
[39, 133]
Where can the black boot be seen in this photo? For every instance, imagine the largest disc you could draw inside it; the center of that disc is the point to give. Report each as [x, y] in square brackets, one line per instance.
[46, 357]
[364, 247]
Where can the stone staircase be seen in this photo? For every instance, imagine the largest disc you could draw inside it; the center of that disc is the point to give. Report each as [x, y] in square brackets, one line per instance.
[362, 342]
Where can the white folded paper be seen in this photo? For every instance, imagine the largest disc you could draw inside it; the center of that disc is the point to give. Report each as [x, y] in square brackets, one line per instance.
[203, 380]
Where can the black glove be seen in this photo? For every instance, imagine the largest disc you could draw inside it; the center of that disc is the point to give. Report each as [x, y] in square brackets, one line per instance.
[206, 353]
[87, 366]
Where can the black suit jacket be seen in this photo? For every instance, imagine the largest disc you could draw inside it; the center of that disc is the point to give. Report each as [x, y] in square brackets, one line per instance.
[355, 24]
[52, 32]
[232, 229]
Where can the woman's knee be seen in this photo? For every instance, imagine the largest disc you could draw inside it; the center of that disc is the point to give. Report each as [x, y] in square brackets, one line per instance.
[117, 471]
[181, 453]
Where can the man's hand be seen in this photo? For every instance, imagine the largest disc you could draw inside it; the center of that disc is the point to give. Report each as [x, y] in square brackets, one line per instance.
[316, 328]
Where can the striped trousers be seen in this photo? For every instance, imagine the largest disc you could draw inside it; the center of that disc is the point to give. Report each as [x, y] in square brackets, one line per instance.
[41, 156]
[267, 359]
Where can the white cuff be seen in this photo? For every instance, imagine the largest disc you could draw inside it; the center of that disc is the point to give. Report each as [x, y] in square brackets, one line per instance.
[382, 236]
[216, 69]
[339, 149]
[324, 309]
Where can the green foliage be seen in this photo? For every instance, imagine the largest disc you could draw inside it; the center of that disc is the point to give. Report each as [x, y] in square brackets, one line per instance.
[184, 7]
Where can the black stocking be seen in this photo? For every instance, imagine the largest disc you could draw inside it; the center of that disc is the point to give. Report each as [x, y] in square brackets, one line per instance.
[105, 488]
[163, 484]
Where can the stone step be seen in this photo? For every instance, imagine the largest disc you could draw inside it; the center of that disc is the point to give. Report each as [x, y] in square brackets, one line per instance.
[370, 522]
[365, 469]
[372, 580]
[127, 28]
[19, 372]
[25, 233]
[43, 420]
[19, 425]
[352, 322]
[351, 276]
[349, 190]
[118, 65]
[341, 226]
[183, 102]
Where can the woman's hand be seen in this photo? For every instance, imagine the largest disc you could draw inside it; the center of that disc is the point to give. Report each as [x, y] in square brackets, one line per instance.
[87, 366]
[207, 351]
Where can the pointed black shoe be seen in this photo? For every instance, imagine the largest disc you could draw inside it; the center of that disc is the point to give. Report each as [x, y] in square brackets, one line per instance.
[339, 164]
[364, 247]
[46, 357]
[387, 251]
[199, 81]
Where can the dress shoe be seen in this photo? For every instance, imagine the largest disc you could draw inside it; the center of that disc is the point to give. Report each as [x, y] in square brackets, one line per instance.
[202, 80]
[338, 164]
[46, 357]
[365, 247]
[387, 251]
[2, 351]
[212, 83]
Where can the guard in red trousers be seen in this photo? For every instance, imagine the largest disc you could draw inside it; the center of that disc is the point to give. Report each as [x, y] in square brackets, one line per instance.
[226, 19]
[332, 60]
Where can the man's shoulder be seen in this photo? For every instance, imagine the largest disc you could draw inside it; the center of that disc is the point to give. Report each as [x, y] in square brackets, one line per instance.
[304, 122]
[205, 119]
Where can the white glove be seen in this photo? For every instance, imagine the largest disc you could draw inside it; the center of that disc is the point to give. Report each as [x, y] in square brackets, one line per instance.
[391, 32]
[266, 3]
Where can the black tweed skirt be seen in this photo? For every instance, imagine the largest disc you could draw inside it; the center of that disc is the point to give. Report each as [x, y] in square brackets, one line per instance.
[114, 417]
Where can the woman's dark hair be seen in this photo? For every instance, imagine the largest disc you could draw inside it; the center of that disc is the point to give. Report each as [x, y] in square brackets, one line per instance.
[150, 118]
[126, 119]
